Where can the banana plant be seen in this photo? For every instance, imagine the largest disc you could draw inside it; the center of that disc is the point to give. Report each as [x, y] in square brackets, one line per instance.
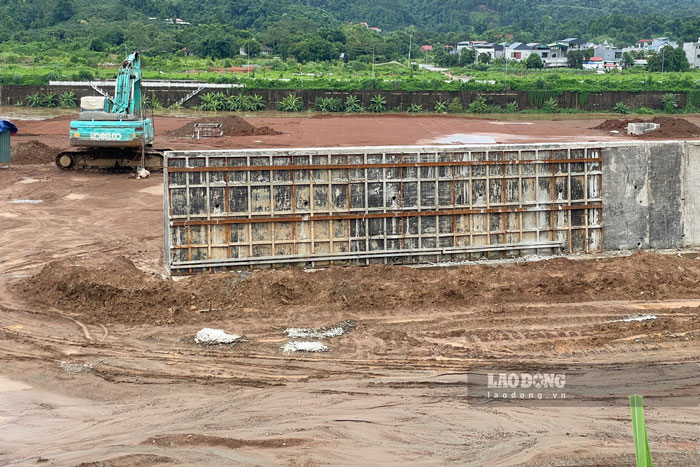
[291, 103]
[377, 104]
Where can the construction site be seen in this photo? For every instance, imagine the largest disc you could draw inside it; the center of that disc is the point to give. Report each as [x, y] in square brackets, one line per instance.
[313, 290]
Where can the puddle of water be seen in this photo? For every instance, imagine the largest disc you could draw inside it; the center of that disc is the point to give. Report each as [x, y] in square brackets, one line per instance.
[26, 201]
[511, 123]
[74, 196]
[464, 138]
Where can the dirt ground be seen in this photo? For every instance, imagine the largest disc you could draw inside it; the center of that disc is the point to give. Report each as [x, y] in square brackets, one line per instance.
[99, 365]
[331, 130]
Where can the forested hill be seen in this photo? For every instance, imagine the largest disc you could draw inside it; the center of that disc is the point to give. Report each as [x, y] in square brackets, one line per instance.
[480, 15]
[622, 21]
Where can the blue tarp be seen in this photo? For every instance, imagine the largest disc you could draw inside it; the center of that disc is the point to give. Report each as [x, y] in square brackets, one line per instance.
[7, 126]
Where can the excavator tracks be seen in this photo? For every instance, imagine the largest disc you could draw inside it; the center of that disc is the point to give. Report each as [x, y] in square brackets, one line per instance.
[110, 160]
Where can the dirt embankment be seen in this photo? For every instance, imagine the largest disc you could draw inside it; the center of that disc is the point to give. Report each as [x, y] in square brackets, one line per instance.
[120, 293]
[33, 152]
[670, 127]
[232, 125]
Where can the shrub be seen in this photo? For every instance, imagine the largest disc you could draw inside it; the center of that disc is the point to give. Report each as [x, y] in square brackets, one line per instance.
[455, 106]
[212, 101]
[512, 107]
[352, 105]
[414, 108]
[669, 102]
[377, 103]
[440, 107]
[66, 100]
[291, 103]
[478, 106]
[550, 105]
[621, 108]
[48, 100]
[34, 100]
[644, 111]
[255, 102]
[329, 104]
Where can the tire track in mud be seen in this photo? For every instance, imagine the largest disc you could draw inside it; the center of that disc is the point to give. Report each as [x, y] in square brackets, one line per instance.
[434, 340]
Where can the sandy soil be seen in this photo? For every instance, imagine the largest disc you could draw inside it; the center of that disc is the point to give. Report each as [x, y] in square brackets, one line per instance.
[100, 368]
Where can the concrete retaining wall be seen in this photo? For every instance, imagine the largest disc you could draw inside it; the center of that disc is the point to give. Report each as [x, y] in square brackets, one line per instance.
[350, 205]
[651, 195]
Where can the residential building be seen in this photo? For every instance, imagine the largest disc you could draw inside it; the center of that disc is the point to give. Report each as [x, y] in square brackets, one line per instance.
[661, 42]
[655, 45]
[608, 52]
[493, 50]
[692, 52]
[600, 64]
[574, 43]
[518, 51]
[426, 48]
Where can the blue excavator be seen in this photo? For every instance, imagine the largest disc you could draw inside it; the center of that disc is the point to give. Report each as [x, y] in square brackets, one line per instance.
[113, 134]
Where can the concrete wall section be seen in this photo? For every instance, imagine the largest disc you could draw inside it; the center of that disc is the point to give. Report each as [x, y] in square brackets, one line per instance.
[665, 193]
[691, 194]
[625, 198]
[643, 196]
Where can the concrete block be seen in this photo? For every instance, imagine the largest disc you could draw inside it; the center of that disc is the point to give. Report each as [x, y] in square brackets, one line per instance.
[641, 128]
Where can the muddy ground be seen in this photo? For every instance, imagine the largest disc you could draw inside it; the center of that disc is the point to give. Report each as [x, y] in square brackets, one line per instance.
[99, 365]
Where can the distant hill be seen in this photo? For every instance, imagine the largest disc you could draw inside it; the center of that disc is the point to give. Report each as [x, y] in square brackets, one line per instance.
[622, 21]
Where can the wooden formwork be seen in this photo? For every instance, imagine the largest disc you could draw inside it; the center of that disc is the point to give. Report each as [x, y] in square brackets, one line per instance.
[315, 207]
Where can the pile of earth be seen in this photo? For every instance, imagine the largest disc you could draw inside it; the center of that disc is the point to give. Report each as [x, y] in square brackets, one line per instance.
[670, 127]
[118, 292]
[33, 152]
[232, 125]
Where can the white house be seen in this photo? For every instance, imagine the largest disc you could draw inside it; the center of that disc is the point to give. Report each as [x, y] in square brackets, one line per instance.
[518, 51]
[493, 50]
[692, 52]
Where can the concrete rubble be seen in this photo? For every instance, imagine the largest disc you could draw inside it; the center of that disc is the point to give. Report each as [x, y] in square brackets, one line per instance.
[209, 336]
[321, 333]
[304, 346]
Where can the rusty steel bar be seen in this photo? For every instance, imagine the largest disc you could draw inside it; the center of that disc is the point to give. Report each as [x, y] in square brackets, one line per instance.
[243, 168]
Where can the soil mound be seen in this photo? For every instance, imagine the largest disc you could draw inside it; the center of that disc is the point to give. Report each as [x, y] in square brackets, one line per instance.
[33, 152]
[231, 124]
[118, 292]
[670, 127]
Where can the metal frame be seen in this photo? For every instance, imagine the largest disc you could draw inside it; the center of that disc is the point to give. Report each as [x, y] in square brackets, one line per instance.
[379, 204]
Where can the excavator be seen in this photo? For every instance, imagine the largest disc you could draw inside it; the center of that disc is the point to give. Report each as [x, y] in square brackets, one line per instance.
[114, 134]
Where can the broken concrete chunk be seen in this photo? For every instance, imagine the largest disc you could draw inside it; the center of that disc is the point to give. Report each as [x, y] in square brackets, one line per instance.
[209, 336]
[304, 346]
[321, 333]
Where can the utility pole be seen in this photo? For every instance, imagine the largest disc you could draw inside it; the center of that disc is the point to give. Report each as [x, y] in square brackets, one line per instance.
[247, 57]
[372, 62]
[663, 49]
[410, 43]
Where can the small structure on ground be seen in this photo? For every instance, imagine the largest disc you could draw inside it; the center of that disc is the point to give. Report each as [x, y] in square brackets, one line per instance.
[641, 128]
